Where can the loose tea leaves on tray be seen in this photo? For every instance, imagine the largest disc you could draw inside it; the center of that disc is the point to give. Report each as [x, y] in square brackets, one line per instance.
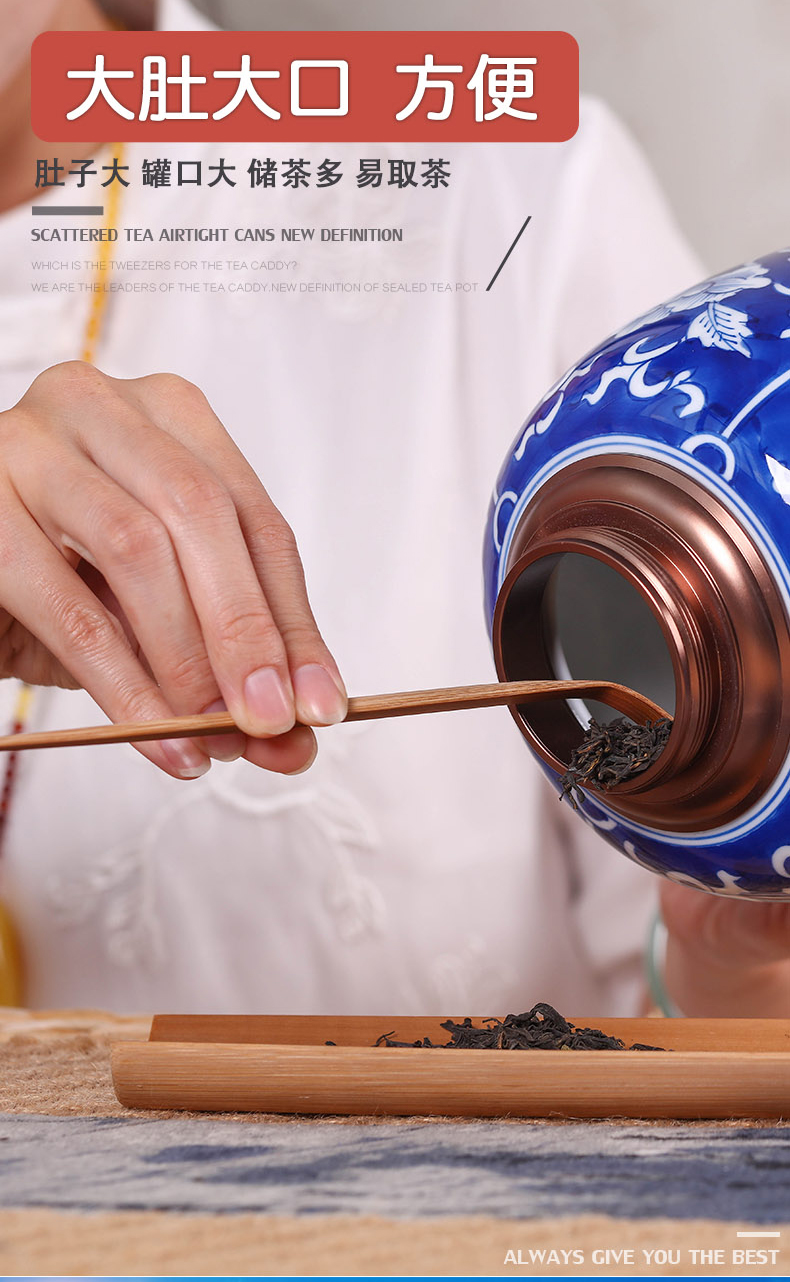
[542, 1028]
[612, 753]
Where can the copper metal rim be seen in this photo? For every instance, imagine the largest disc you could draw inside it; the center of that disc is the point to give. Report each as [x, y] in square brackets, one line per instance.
[720, 612]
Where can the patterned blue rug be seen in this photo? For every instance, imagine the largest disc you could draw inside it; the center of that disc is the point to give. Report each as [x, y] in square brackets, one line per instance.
[428, 1169]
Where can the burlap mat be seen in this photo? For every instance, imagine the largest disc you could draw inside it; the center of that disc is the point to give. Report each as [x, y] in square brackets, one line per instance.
[57, 1063]
[47, 1242]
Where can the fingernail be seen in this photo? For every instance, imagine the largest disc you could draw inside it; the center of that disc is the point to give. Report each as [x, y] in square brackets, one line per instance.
[319, 702]
[223, 747]
[185, 758]
[267, 701]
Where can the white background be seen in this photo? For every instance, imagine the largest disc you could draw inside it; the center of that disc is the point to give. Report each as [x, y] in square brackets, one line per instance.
[704, 85]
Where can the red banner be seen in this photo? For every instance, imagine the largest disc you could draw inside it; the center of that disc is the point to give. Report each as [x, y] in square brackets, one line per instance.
[313, 86]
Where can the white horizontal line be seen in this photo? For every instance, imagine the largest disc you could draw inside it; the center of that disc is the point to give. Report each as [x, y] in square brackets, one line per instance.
[772, 1233]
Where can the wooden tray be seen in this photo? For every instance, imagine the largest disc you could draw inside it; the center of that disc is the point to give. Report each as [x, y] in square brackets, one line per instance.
[711, 1068]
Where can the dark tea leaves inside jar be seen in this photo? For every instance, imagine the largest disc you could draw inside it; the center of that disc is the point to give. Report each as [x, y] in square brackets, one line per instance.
[613, 752]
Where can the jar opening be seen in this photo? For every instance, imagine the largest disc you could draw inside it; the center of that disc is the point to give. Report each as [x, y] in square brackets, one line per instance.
[573, 616]
[700, 627]
[598, 625]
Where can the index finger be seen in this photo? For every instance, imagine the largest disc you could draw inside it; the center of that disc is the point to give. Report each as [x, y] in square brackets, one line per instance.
[318, 687]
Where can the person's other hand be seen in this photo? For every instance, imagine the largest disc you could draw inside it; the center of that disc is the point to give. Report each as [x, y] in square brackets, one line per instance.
[141, 558]
[725, 955]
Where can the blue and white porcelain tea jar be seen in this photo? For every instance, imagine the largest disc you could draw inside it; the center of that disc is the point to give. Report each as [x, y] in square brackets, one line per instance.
[640, 532]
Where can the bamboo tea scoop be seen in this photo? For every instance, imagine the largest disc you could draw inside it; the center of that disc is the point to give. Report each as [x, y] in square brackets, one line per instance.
[361, 708]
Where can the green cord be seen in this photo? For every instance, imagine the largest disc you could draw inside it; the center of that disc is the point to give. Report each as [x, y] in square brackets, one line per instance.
[655, 953]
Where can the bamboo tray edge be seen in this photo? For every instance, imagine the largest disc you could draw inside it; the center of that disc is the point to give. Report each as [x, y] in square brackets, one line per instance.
[746, 1035]
[366, 1081]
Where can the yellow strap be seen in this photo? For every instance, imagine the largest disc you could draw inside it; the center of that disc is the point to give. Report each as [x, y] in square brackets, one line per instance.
[11, 960]
[90, 341]
[105, 252]
[24, 698]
